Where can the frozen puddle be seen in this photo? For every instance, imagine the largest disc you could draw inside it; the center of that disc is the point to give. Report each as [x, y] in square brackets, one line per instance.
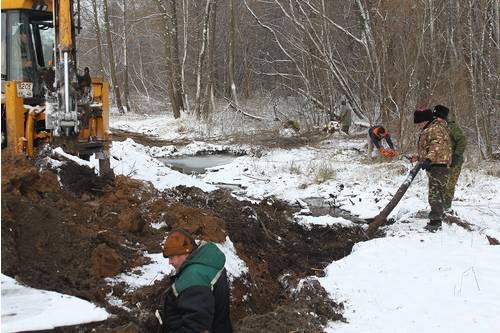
[197, 164]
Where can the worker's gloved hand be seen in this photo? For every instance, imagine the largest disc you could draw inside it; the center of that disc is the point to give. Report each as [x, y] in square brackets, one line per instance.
[383, 152]
[425, 164]
[393, 152]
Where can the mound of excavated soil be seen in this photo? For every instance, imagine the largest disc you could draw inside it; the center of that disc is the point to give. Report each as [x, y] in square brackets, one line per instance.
[277, 251]
[309, 309]
[68, 234]
[68, 240]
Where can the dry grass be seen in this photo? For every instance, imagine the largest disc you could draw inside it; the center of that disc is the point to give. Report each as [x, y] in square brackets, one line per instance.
[324, 173]
[295, 169]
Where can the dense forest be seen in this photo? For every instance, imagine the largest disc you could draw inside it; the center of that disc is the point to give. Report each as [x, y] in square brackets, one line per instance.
[385, 58]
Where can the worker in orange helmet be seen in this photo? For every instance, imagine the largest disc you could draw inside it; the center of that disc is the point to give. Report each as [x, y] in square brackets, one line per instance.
[377, 133]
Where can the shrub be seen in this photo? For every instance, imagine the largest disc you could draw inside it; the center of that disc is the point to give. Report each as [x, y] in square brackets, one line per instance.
[295, 169]
[181, 129]
[324, 173]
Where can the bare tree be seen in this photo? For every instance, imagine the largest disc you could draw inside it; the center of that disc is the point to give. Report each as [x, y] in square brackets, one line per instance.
[174, 54]
[98, 37]
[232, 45]
[112, 67]
[125, 58]
[185, 19]
[167, 41]
[201, 59]
[210, 105]
[384, 57]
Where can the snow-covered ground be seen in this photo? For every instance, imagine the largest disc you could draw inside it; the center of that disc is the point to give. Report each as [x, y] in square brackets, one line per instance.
[410, 281]
[28, 309]
[419, 282]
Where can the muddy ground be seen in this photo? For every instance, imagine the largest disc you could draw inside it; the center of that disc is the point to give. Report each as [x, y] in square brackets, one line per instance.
[66, 229]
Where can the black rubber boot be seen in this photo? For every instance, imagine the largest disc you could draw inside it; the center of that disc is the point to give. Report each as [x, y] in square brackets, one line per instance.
[433, 225]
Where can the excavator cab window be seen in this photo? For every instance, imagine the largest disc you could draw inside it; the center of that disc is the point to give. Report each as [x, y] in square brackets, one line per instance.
[27, 48]
[44, 40]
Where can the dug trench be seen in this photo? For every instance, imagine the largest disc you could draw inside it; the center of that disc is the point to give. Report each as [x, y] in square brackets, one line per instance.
[66, 229]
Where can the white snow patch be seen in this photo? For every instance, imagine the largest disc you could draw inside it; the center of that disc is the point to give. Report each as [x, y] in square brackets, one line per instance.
[73, 158]
[145, 275]
[27, 309]
[132, 159]
[443, 282]
[325, 220]
[235, 267]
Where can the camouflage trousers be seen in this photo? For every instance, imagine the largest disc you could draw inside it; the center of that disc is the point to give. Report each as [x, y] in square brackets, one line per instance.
[438, 180]
[452, 183]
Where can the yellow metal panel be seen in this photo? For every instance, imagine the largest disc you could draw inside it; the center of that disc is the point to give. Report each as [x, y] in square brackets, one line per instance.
[65, 37]
[105, 109]
[15, 116]
[100, 94]
[97, 89]
[93, 127]
[99, 128]
[30, 133]
[24, 4]
[84, 134]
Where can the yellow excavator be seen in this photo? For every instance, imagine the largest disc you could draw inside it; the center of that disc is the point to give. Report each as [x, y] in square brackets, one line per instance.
[44, 97]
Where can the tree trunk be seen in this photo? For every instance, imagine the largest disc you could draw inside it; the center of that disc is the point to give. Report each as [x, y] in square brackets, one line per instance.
[174, 55]
[185, 18]
[232, 45]
[201, 58]
[98, 38]
[167, 41]
[371, 51]
[211, 57]
[112, 67]
[473, 82]
[125, 58]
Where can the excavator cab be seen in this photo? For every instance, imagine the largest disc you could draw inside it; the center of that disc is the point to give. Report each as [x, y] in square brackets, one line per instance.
[44, 98]
[27, 51]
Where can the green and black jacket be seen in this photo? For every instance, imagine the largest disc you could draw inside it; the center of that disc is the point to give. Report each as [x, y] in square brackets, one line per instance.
[198, 299]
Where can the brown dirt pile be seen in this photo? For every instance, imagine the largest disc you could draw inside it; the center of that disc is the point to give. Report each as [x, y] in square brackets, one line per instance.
[277, 251]
[307, 310]
[69, 239]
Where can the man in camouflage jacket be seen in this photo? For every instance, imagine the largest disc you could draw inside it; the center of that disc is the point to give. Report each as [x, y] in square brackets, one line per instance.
[434, 154]
[458, 143]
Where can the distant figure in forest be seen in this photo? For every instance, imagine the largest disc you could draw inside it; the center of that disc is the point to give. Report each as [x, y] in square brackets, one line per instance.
[377, 133]
[345, 117]
[434, 155]
[458, 144]
[198, 299]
